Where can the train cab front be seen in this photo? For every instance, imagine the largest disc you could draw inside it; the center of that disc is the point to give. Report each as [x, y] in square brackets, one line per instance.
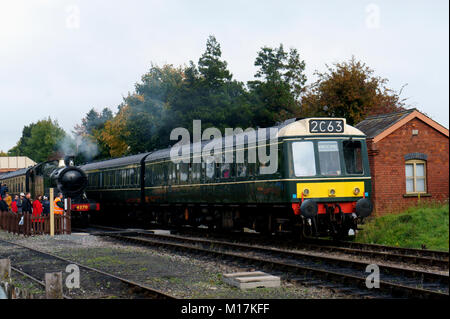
[331, 186]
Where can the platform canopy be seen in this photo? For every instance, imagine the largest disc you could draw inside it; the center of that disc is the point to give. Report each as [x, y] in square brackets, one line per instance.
[13, 163]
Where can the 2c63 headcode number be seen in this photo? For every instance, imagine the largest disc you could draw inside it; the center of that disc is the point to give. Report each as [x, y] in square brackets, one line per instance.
[326, 126]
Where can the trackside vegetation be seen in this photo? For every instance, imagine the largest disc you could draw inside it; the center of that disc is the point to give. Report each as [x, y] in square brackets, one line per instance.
[417, 227]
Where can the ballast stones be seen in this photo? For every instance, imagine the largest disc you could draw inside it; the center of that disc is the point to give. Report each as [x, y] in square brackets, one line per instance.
[252, 279]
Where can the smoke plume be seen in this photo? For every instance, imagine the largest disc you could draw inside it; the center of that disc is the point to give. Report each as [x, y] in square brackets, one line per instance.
[79, 146]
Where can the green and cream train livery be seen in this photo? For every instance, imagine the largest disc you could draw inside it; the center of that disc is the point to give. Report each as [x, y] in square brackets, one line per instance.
[330, 174]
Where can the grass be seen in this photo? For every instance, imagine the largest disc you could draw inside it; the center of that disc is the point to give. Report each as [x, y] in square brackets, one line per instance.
[417, 226]
[104, 260]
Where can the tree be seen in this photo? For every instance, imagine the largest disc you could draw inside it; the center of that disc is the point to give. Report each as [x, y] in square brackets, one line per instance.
[19, 149]
[280, 83]
[114, 133]
[40, 141]
[208, 93]
[94, 121]
[88, 140]
[352, 91]
[212, 69]
[148, 106]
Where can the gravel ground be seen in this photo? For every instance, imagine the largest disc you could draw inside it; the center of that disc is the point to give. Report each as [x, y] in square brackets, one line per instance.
[181, 275]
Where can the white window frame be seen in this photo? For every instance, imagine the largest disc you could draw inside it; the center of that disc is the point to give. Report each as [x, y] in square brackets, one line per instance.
[414, 162]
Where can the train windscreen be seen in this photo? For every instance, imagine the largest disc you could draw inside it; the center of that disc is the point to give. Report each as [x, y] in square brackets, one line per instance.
[353, 157]
[304, 159]
[329, 158]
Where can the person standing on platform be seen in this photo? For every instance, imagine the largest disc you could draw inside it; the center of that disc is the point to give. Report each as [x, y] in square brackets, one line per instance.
[45, 206]
[58, 209]
[20, 203]
[58, 205]
[26, 206]
[8, 200]
[37, 208]
[14, 204]
[3, 205]
[3, 190]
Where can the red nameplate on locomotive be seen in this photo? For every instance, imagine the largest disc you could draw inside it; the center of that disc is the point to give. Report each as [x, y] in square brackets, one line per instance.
[80, 207]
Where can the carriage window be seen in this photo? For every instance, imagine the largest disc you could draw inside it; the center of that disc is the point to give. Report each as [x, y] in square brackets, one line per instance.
[196, 172]
[105, 179]
[162, 168]
[241, 170]
[210, 170]
[108, 178]
[329, 158]
[184, 171]
[304, 160]
[155, 171]
[124, 177]
[171, 170]
[225, 170]
[116, 178]
[353, 157]
[190, 171]
[133, 176]
[148, 174]
[138, 176]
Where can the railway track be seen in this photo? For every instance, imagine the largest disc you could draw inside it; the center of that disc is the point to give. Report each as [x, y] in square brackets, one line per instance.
[115, 286]
[394, 281]
[417, 257]
[409, 252]
[33, 279]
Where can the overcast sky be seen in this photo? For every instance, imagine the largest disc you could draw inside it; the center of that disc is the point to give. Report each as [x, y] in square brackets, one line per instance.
[60, 58]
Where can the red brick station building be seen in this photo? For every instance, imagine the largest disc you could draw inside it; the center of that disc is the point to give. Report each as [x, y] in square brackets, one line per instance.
[408, 156]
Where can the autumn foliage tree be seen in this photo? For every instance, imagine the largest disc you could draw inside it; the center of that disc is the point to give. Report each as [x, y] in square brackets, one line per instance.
[40, 141]
[352, 91]
[114, 133]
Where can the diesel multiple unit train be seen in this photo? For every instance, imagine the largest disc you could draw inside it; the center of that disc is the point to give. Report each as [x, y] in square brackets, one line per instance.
[321, 184]
[58, 174]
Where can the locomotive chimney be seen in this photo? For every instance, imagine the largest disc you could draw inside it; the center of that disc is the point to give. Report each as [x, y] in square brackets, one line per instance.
[69, 160]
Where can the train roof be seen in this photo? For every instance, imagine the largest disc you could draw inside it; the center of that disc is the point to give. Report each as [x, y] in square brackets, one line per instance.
[115, 162]
[19, 172]
[301, 128]
[289, 128]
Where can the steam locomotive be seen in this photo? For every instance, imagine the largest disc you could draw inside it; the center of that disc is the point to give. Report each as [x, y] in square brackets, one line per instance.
[61, 175]
[321, 185]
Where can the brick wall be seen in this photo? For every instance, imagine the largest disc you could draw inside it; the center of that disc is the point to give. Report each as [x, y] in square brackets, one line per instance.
[387, 165]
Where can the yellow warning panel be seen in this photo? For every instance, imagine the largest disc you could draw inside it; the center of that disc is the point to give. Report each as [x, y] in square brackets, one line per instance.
[330, 189]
